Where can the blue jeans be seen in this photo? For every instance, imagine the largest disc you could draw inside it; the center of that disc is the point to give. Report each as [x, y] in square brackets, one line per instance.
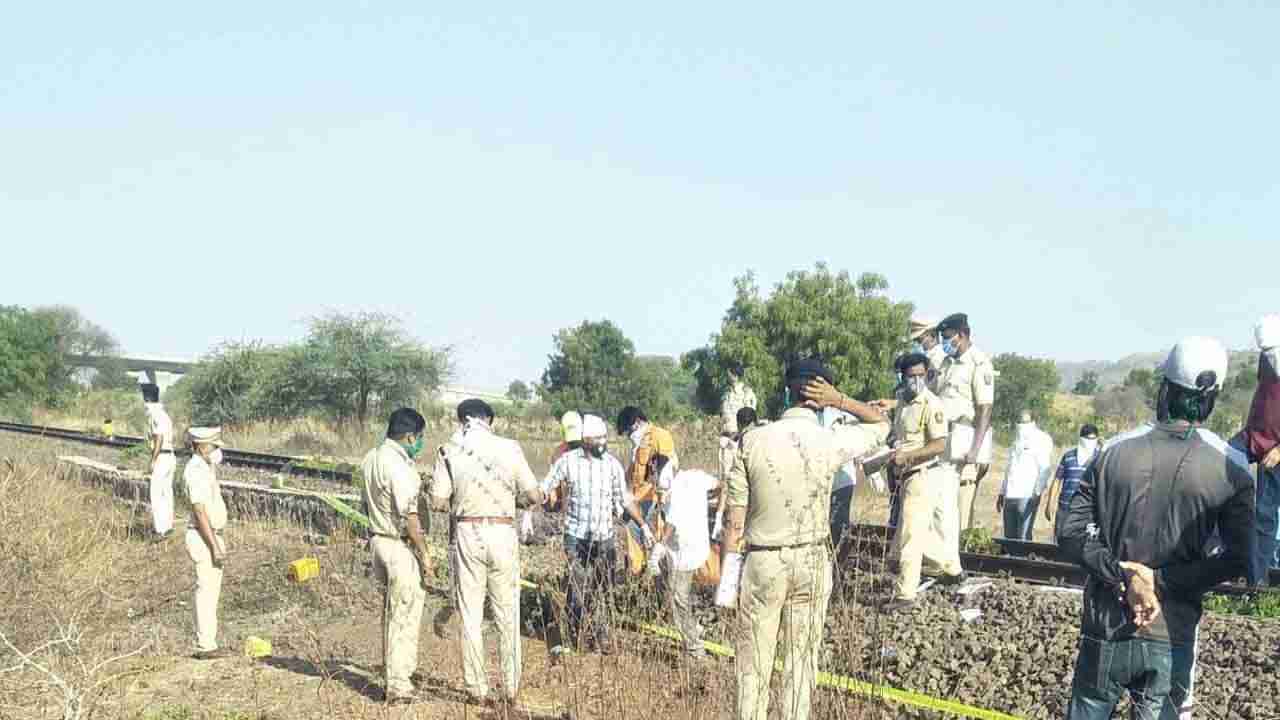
[1267, 495]
[590, 581]
[1158, 676]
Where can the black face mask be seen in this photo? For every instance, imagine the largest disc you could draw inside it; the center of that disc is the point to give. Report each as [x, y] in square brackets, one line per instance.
[597, 451]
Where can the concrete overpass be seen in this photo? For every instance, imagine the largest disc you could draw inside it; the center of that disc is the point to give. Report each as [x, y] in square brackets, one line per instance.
[167, 371]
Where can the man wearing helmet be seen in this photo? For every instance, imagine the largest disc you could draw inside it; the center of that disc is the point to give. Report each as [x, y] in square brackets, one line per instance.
[1140, 524]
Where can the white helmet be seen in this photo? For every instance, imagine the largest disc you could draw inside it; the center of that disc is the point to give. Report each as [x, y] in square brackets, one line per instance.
[1191, 359]
[571, 425]
[1267, 332]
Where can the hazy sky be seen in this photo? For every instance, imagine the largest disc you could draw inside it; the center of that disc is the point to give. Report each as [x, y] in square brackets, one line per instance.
[1085, 181]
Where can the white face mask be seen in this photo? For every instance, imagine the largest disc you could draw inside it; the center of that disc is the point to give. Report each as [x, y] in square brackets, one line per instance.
[215, 457]
[1086, 447]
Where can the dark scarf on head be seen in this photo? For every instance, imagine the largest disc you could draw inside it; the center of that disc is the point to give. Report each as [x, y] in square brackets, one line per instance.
[1262, 431]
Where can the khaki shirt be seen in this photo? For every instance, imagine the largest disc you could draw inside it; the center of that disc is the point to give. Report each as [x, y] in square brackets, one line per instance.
[783, 475]
[920, 422]
[391, 487]
[203, 490]
[739, 396]
[483, 476]
[965, 383]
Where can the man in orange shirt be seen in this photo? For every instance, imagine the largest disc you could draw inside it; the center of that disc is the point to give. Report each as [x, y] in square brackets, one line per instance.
[648, 441]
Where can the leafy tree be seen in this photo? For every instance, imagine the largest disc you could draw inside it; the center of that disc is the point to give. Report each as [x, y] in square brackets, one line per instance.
[76, 334]
[1126, 404]
[519, 392]
[32, 369]
[348, 367]
[1025, 384]
[352, 366]
[594, 367]
[112, 375]
[850, 324]
[1087, 384]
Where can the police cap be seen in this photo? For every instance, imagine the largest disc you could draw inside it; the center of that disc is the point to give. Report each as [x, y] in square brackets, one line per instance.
[807, 369]
[955, 321]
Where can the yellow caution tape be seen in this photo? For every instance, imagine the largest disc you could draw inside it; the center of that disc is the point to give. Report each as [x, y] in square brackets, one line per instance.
[840, 682]
[825, 679]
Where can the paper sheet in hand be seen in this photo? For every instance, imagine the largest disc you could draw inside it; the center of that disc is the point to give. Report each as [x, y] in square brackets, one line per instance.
[876, 461]
[960, 441]
[730, 576]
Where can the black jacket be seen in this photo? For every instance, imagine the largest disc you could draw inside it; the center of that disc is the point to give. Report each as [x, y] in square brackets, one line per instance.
[1156, 496]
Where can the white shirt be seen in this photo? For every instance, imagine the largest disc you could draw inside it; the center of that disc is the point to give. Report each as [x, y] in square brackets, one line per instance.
[687, 515]
[203, 489]
[159, 423]
[847, 475]
[1030, 463]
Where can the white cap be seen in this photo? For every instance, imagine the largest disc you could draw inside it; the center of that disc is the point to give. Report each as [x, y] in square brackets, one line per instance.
[1192, 357]
[1267, 332]
[593, 426]
[206, 435]
[571, 424]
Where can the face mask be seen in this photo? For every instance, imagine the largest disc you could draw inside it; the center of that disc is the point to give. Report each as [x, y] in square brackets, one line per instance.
[597, 450]
[1087, 446]
[415, 449]
[949, 347]
[786, 397]
[913, 387]
[917, 348]
[215, 457]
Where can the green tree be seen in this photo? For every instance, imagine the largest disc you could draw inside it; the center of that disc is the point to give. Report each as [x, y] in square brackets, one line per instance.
[851, 324]
[1024, 384]
[348, 367]
[1087, 384]
[354, 365]
[518, 392]
[594, 367]
[32, 368]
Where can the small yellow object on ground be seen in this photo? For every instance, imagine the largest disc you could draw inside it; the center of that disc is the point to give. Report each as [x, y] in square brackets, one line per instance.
[304, 569]
[256, 647]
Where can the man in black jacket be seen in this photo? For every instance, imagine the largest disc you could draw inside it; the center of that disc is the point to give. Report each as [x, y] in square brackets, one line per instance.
[1141, 524]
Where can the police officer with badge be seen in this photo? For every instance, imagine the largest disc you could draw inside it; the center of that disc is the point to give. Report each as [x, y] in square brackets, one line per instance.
[966, 386]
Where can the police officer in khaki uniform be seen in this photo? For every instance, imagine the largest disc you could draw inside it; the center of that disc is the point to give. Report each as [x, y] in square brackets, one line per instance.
[967, 390]
[391, 490]
[206, 545]
[738, 397]
[928, 492]
[779, 491]
[480, 478]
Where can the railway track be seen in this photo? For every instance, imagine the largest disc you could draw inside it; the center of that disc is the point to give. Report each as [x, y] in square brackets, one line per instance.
[238, 458]
[1030, 562]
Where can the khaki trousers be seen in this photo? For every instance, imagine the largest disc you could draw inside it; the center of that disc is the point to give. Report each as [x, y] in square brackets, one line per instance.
[485, 560]
[783, 598]
[208, 590]
[968, 491]
[161, 491]
[929, 531]
[403, 597]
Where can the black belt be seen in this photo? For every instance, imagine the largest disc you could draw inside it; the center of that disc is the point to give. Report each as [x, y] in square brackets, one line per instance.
[772, 548]
[166, 452]
[405, 538]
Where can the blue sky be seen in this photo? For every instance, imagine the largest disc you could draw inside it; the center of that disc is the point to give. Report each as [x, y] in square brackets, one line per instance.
[1085, 180]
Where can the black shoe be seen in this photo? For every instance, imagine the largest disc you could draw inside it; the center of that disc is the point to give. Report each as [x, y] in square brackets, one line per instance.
[953, 580]
[218, 654]
[900, 605]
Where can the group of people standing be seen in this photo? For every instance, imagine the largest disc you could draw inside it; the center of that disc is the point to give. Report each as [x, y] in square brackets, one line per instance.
[1158, 516]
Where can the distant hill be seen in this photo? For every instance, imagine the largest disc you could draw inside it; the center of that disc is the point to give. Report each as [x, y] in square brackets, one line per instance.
[1109, 373]
[1114, 373]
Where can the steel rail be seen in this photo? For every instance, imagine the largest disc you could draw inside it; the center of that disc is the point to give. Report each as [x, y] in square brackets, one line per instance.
[238, 458]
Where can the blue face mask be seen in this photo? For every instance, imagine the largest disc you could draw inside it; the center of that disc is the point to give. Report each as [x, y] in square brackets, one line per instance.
[916, 347]
[949, 347]
[786, 398]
